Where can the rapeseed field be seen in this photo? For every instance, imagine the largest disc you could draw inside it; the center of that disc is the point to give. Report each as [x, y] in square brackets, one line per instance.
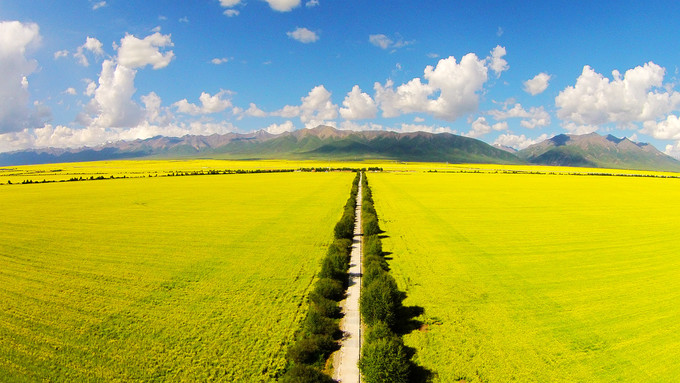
[537, 278]
[160, 279]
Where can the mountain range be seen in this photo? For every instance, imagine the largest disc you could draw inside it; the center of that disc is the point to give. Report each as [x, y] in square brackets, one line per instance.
[325, 142]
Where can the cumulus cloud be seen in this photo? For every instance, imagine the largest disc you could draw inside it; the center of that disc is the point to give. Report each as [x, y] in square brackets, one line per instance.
[358, 105]
[673, 150]
[538, 84]
[280, 128]
[312, 3]
[667, 129]
[112, 104]
[229, 3]
[254, 111]
[70, 91]
[138, 53]
[384, 42]
[303, 35]
[638, 96]
[231, 12]
[455, 85]
[316, 108]
[532, 118]
[518, 142]
[283, 5]
[92, 45]
[209, 104]
[496, 62]
[67, 137]
[481, 127]
[16, 39]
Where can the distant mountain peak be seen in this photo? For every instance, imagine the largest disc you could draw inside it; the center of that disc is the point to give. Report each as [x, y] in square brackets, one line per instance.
[598, 151]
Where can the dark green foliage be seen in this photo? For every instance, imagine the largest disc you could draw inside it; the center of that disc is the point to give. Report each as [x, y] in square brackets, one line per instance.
[385, 360]
[316, 323]
[312, 349]
[328, 288]
[372, 272]
[324, 306]
[379, 330]
[335, 266]
[305, 374]
[345, 227]
[316, 339]
[372, 245]
[380, 301]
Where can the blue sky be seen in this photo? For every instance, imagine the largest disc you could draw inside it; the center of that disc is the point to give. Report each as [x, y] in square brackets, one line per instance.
[86, 72]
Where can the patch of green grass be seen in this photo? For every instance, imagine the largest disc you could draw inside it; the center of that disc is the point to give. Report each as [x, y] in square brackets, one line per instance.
[537, 278]
[177, 278]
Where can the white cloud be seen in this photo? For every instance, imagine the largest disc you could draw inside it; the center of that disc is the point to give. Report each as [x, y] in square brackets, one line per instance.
[499, 32]
[433, 55]
[209, 104]
[229, 3]
[456, 86]
[518, 142]
[66, 137]
[112, 105]
[98, 5]
[668, 129]
[16, 39]
[283, 5]
[538, 84]
[673, 150]
[218, 61]
[407, 128]
[481, 127]
[312, 3]
[60, 54]
[254, 111]
[70, 91]
[384, 42]
[231, 12]
[574, 128]
[183, 19]
[316, 108]
[91, 44]
[638, 96]
[90, 88]
[380, 40]
[303, 35]
[281, 128]
[532, 118]
[351, 125]
[496, 61]
[137, 53]
[358, 105]
[418, 119]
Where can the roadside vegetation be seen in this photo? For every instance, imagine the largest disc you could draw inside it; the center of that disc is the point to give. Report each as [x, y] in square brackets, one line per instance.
[320, 331]
[384, 357]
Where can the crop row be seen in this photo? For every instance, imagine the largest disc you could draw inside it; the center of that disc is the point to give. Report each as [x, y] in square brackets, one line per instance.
[384, 358]
[320, 330]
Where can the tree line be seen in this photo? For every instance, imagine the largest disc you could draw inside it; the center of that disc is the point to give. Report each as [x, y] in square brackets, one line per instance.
[320, 332]
[384, 357]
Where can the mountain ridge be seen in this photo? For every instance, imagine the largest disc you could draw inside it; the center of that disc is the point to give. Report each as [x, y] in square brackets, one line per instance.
[325, 142]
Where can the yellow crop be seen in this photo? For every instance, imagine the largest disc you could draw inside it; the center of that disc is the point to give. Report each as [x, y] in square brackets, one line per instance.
[176, 278]
[537, 278]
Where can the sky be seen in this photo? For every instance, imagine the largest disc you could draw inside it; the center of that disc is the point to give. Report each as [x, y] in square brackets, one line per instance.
[87, 72]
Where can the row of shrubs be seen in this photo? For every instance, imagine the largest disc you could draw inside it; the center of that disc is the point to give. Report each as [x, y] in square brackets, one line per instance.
[384, 358]
[320, 330]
